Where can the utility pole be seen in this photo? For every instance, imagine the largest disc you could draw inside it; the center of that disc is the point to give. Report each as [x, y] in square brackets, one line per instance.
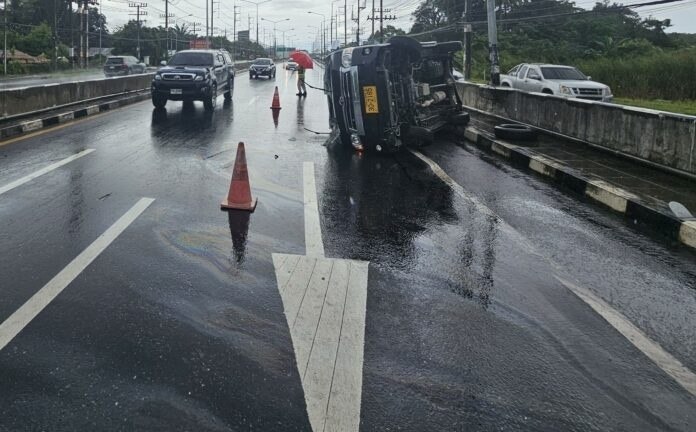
[467, 40]
[372, 35]
[55, 34]
[345, 22]
[166, 17]
[4, 49]
[234, 33]
[493, 43]
[137, 14]
[381, 19]
[357, 20]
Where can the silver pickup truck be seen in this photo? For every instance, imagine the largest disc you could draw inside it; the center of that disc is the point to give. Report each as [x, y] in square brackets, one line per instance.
[558, 80]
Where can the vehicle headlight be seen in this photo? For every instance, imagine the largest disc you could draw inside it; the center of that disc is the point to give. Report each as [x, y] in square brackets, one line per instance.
[158, 77]
[199, 78]
[607, 91]
[567, 90]
[347, 57]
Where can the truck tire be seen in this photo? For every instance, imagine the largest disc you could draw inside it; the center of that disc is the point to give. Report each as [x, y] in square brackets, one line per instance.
[210, 101]
[159, 101]
[515, 132]
[229, 89]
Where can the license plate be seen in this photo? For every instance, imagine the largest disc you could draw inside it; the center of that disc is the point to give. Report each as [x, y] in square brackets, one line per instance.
[371, 104]
[111, 67]
[175, 91]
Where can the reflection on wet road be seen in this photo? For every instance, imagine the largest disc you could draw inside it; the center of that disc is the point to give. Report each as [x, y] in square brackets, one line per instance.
[183, 322]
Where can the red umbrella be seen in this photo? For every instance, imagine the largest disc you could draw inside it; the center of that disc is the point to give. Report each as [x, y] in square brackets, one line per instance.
[303, 59]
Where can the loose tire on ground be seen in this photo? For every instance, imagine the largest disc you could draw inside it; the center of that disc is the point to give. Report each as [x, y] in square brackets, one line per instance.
[515, 132]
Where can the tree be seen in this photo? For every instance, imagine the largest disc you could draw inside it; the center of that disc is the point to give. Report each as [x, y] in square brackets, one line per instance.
[389, 31]
[38, 41]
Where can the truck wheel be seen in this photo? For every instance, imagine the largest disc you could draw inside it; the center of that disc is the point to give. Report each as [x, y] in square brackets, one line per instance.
[547, 91]
[159, 101]
[210, 102]
[515, 132]
[229, 90]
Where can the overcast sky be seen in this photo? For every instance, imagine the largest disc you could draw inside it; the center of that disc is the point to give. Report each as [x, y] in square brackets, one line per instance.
[682, 14]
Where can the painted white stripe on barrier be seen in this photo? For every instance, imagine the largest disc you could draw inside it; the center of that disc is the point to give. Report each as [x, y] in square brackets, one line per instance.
[647, 346]
[29, 310]
[32, 126]
[313, 241]
[687, 233]
[42, 171]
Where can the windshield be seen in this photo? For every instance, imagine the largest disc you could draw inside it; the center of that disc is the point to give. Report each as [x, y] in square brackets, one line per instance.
[191, 59]
[263, 61]
[562, 73]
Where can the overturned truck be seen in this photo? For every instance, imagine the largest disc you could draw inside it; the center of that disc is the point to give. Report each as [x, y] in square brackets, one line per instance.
[383, 97]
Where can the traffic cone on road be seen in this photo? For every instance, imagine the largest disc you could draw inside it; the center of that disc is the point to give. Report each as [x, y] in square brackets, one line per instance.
[276, 100]
[239, 196]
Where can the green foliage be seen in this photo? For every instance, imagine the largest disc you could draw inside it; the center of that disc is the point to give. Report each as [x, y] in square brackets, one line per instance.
[635, 56]
[662, 75]
[38, 41]
[15, 68]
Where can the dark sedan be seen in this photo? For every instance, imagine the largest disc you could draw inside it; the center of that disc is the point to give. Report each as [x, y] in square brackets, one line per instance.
[123, 65]
[262, 67]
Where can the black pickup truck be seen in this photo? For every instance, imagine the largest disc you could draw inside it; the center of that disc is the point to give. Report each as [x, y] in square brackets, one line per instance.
[194, 75]
[382, 97]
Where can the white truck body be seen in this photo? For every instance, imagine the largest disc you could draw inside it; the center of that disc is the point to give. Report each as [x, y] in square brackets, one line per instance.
[558, 80]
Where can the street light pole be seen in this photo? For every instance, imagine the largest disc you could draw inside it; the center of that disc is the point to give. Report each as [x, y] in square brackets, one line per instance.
[275, 44]
[493, 43]
[257, 15]
[323, 27]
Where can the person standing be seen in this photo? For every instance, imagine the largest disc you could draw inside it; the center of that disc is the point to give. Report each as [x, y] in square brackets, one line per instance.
[302, 90]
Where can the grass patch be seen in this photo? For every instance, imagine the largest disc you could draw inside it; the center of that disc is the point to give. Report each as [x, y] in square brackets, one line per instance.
[680, 107]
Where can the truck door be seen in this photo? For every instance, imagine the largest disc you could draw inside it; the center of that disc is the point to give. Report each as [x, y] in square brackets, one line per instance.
[533, 80]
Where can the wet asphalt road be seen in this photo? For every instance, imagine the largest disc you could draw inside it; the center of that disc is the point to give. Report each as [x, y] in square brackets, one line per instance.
[178, 324]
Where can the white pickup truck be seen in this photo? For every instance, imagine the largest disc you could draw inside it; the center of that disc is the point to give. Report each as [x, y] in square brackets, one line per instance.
[557, 80]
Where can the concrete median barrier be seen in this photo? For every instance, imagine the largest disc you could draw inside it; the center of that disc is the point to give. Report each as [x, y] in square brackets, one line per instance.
[658, 138]
[31, 99]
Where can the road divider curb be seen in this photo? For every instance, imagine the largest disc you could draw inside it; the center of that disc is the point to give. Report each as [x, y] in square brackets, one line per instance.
[599, 191]
[34, 125]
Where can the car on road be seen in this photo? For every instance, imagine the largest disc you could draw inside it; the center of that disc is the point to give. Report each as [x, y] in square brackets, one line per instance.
[291, 65]
[382, 97]
[123, 65]
[557, 80]
[262, 67]
[194, 75]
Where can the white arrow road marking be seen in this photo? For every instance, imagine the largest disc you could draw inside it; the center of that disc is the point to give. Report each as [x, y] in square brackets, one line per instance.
[42, 171]
[325, 303]
[33, 307]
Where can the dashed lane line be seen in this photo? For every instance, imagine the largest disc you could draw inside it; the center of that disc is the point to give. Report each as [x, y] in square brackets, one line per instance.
[664, 360]
[11, 327]
[313, 241]
[26, 179]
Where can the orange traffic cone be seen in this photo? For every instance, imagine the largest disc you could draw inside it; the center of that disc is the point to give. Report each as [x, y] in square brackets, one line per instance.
[239, 196]
[276, 100]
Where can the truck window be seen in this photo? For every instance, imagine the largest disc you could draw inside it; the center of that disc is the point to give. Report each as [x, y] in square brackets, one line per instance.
[522, 72]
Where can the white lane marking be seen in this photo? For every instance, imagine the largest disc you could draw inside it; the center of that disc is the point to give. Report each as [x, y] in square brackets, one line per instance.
[456, 187]
[29, 310]
[647, 346]
[664, 360]
[313, 241]
[253, 100]
[42, 171]
[325, 306]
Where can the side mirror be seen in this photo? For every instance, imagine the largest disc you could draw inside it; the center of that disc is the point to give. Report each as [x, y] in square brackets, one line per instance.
[589, 78]
[163, 63]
